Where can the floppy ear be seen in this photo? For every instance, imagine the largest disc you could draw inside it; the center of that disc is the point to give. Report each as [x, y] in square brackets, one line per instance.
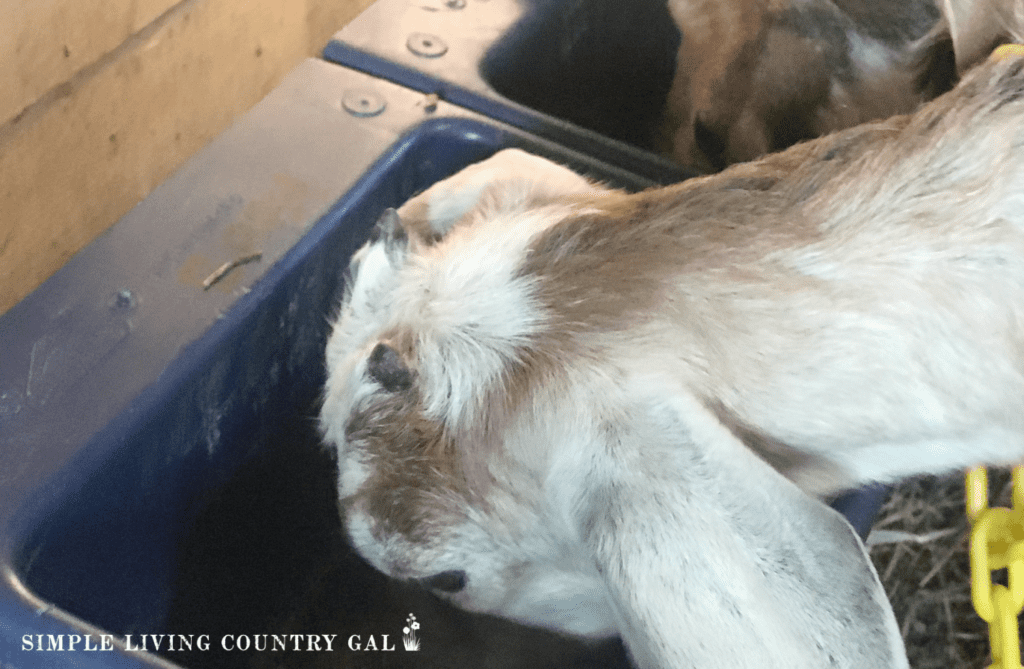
[509, 181]
[713, 559]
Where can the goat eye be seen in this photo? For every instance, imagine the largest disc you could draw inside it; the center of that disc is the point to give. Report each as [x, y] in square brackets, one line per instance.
[387, 368]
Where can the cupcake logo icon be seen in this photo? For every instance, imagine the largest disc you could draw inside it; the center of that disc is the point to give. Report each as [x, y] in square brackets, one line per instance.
[409, 638]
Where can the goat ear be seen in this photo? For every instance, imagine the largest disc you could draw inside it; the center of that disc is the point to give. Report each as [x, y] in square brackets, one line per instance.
[713, 558]
[510, 180]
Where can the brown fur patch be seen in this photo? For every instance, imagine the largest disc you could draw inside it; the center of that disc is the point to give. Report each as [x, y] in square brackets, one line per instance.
[416, 475]
[614, 269]
[636, 257]
[423, 470]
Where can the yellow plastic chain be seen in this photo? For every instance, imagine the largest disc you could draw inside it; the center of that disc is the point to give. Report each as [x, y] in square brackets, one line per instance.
[1008, 50]
[997, 542]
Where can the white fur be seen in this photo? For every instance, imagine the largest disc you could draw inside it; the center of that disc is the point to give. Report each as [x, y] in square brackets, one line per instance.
[468, 308]
[589, 476]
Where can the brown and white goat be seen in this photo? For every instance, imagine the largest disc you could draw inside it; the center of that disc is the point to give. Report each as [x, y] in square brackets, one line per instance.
[756, 76]
[548, 399]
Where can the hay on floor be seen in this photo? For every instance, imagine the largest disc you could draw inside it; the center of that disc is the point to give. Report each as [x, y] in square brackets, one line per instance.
[919, 546]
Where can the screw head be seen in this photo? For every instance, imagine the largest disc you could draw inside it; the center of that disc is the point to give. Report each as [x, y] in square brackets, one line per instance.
[362, 102]
[122, 300]
[426, 45]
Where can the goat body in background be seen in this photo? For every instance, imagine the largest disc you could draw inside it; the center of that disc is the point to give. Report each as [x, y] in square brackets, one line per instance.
[756, 76]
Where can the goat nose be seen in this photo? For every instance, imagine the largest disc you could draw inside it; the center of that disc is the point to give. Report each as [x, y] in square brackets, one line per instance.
[447, 581]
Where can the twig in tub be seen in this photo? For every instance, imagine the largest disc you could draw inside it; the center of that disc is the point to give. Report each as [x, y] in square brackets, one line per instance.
[227, 267]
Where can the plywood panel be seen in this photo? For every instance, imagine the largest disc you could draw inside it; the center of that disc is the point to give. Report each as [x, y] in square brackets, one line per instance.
[44, 42]
[80, 159]
[326, 17]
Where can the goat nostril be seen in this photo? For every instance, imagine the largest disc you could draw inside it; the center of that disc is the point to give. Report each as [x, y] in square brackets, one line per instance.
[446, 581]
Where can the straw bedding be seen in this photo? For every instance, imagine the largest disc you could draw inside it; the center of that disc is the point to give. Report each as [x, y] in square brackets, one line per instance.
[919, 546]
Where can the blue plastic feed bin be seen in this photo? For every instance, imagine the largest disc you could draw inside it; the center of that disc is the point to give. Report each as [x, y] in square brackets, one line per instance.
[159, 461]
[158, 450]
[592, 75]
